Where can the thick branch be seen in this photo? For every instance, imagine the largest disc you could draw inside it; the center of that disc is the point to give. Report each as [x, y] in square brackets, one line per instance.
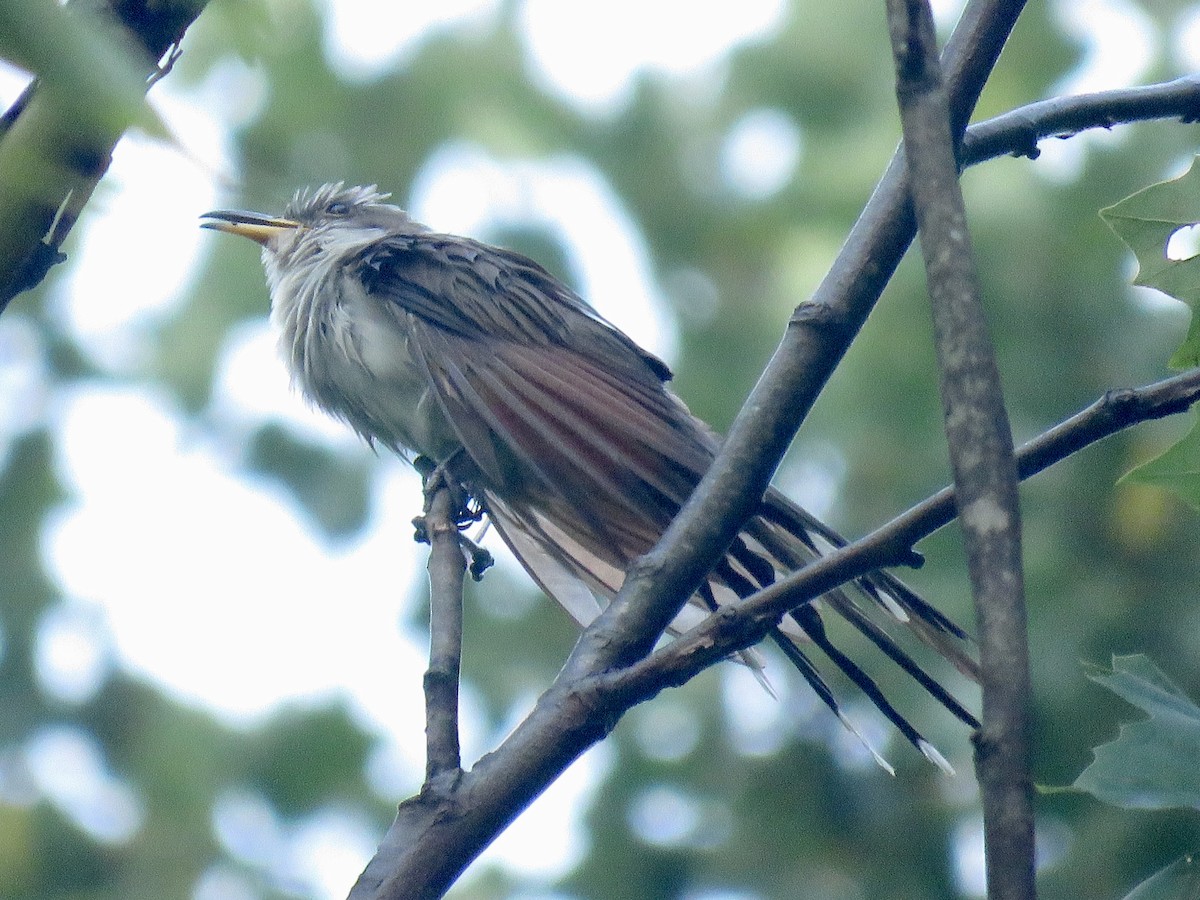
[981, 454]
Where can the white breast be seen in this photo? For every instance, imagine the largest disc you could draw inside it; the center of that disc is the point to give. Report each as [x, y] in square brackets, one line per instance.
[351, 357]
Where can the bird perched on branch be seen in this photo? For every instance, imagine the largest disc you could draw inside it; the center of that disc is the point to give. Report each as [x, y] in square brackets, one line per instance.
[559, 426]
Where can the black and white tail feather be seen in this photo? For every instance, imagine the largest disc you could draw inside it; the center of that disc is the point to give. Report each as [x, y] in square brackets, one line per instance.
[574, 579]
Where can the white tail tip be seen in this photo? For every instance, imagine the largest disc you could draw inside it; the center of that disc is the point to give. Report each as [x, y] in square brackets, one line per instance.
[932, 754]
[754, 662]
[894, 608]
[879, 760]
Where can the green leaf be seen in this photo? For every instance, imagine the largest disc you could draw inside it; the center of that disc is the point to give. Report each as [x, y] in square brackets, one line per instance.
[1145, 221]
[1152, 763]
[1178, 881]
[1177, 469]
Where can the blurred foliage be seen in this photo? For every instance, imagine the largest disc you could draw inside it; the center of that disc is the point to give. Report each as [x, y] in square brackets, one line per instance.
[94, 74]
[1110, 569]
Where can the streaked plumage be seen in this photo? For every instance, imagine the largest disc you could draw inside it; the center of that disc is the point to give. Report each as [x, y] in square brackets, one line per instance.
[558, 424]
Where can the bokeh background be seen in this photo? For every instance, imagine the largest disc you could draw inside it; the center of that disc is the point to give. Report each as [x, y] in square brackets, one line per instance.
[211, 611]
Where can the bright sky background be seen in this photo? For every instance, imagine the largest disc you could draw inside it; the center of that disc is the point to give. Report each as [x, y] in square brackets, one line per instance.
[153, 501]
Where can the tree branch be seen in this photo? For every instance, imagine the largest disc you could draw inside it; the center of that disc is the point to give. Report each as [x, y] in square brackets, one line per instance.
[1115, 411]
[1018, 132]
[446, 568]
[53, 151]
[981, 454]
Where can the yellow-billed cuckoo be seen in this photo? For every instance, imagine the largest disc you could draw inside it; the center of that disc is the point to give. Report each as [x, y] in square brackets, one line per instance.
[559, 426]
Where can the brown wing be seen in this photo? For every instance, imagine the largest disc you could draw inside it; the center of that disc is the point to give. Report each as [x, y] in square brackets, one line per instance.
[559, 412]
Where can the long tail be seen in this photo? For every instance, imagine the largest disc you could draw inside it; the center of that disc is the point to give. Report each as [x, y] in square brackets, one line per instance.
[784, 538]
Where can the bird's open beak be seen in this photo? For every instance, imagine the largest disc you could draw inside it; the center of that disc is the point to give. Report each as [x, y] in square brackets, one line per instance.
[252, 225]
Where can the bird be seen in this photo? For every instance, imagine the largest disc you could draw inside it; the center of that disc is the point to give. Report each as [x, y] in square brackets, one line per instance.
[561, 429]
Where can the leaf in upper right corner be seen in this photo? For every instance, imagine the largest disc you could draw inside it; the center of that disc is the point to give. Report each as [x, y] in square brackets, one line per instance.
[1146, 221]
[1177, 469]
[1153, 763]
[1178, 881]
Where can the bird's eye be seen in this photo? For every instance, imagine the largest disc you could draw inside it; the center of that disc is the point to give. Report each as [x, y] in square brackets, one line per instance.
[337, 208]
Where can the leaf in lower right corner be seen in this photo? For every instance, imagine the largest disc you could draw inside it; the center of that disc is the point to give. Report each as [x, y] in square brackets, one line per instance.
[1153, 762]
[1178, 881]
[1176, 470]
[1146, 221]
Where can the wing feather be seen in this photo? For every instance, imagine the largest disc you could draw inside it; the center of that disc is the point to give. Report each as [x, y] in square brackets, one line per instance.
[540, 425]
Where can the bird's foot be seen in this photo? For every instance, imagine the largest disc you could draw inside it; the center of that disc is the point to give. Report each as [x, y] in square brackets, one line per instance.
[467, 511]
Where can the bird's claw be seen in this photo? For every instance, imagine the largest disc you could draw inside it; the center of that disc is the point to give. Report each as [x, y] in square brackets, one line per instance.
[467, 511]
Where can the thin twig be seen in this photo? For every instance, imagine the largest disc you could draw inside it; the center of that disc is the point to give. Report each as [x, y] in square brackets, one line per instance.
[446, 567]
[1018, 132]
[1115, 411]
[981, 454]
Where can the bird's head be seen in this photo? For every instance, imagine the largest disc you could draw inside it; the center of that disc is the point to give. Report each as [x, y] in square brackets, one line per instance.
[331, 219]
